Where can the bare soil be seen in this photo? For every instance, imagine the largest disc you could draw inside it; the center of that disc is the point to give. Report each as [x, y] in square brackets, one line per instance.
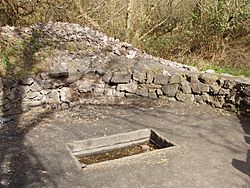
[118, 153]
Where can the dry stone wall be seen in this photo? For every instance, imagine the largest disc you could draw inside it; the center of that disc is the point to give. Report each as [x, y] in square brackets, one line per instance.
[114, 69]
[58, 89]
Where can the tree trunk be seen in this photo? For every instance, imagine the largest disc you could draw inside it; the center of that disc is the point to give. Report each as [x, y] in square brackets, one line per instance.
[129, 18]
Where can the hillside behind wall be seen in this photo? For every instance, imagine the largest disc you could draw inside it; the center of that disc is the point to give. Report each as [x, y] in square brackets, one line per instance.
[113, 69]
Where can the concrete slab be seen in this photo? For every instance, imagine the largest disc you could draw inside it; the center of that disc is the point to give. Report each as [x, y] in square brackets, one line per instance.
[214, 147]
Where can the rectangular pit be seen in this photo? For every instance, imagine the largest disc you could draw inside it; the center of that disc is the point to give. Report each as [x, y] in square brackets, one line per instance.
[102, 149]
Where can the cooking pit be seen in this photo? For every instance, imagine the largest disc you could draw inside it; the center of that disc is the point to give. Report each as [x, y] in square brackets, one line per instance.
[102, 149]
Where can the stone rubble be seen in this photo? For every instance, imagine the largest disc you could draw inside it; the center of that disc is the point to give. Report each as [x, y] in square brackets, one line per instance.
[123, 71]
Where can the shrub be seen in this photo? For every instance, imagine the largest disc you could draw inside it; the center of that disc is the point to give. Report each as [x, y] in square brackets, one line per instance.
[206, 30]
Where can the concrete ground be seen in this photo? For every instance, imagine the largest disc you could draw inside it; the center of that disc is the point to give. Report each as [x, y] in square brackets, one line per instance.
[213, 147]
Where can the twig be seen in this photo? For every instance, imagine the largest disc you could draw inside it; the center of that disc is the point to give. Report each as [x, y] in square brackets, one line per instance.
[113, 17]
[156, 26]
[95, 9]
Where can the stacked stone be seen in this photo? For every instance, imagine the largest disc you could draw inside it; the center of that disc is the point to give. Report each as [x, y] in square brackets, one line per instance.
[116, 69]
[212, 89]
[62, 89]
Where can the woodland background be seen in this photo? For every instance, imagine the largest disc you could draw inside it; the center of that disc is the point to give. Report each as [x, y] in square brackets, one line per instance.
[209, 34]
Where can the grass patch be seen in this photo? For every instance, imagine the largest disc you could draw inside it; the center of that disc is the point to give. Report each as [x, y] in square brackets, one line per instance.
[27, 54]
[229, 70]
[218, 67]
[18, 54]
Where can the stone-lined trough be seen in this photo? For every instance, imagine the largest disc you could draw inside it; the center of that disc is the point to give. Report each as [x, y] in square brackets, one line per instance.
[138, 142]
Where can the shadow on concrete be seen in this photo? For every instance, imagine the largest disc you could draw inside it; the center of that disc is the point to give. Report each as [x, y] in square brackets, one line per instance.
[19, 164]
[138, 109]
[244, 166]
[244, 118]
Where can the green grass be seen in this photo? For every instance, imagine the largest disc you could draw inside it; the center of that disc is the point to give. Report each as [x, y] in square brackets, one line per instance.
[229, 70]
[5, 60]
[18, 54]
[234, 60]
